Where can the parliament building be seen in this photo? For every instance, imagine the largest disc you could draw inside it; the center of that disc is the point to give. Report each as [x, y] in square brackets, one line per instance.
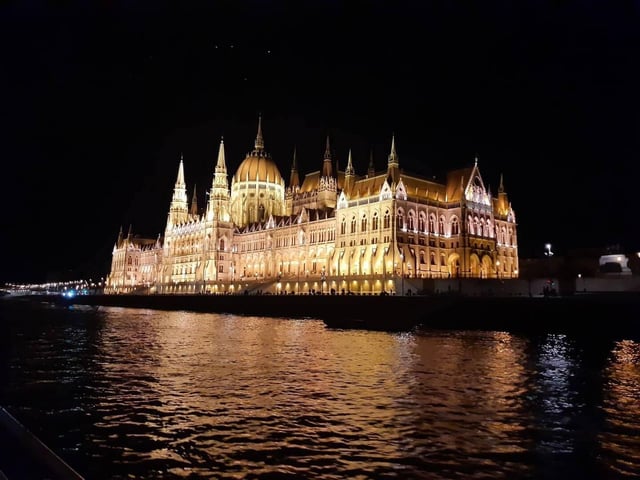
[327, 232]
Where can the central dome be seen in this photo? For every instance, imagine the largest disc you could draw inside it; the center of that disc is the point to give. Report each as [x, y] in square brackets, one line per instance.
[258, 166]
[257, 188]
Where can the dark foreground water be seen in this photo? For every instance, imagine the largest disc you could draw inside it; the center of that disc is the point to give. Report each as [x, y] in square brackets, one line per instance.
[123, 393]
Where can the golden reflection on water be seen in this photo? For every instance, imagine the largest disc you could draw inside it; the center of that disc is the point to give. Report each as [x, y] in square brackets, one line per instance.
[471, 395]
[223, 395]
[244, 380]
[620, 441]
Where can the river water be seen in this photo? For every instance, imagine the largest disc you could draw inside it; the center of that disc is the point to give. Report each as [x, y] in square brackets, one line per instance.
[143, 394]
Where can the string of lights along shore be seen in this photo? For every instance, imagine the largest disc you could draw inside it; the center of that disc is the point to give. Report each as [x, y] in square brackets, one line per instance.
[329, 231]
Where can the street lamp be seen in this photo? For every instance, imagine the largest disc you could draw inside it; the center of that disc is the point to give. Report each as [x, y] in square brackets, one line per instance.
[547, 250]
[323, 277]
[498, 268]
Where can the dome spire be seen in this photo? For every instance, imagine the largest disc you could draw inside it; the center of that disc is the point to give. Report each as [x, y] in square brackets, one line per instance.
[259, 141]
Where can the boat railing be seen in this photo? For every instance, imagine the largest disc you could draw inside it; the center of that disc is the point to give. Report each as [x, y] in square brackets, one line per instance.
[34, 450]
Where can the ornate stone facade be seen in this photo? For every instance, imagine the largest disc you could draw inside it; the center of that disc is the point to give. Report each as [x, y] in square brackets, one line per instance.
[336, 231]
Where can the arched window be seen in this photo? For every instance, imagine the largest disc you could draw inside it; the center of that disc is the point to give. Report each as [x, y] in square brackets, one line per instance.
[489, 229]
[455, 226]
[374, 221]
[411, 221]
[422, 260]
[471, 226]
[363, 223]
[400, 220]
[387, 219]
[441, 226]
[261, 213]
[222, 244]
[343, 226]
[433, 258]
[432, 223]
[353, 224]
[481, 227]
[509, 240]
[443, 260]
[422, 223]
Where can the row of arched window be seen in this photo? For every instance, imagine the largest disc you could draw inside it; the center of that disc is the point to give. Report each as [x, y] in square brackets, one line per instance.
[364, 223]
[413, 222]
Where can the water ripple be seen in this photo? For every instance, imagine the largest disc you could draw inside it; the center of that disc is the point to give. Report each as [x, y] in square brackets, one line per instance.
[139, 394]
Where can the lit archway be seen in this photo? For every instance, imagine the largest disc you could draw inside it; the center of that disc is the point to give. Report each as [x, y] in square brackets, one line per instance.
[453, 265]
[487, 266]
[474, 265]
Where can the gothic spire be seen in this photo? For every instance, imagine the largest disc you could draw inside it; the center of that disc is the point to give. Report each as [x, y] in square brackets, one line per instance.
[349, 170]
[220, 181]
[393, 169]
[393, 156]
[327, 170]
[178, 209]
[194, 202]
[294, 180]
[327, 150]
[371, 170]
[221, 165]
[501, 187]
[180, 179]
[259, 145]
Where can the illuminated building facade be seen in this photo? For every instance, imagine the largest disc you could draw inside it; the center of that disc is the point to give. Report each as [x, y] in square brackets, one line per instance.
[333, 231]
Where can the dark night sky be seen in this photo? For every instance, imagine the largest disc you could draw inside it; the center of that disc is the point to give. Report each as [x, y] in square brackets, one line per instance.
[99, 99]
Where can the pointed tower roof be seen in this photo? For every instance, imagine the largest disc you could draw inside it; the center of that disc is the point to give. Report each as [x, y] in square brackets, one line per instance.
[349, 170]
[393, 156]
[119, 241]
[294, 180]
[179, 208]
[371, 171]
[327, 170]
[194, 202]
[221, 164]
[501, 187]
[393, 169]
[327, 150]
[180, 179]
